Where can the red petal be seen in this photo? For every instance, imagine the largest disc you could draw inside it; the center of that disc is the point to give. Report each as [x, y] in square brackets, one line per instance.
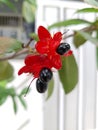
[24, 69]
[53, 46]
[43, 33]
[57, 36]
[42, 47]
[56, 61]
[31, 59]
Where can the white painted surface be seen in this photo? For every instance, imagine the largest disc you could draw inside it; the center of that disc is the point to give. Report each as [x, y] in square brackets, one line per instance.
[76, 110]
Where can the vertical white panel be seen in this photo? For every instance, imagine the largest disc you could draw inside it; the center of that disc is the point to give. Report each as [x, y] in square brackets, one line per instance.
[51, 109]
[89, 86]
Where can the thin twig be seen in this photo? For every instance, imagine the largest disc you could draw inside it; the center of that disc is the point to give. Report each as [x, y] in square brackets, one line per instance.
[25, 46]
[23, 51]
[86, 29]
[24, 124]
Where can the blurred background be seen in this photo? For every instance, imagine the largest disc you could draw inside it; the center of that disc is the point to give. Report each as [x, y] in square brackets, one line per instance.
[76, 110]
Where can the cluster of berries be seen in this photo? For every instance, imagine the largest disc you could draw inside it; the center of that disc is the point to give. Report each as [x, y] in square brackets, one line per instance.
[42, 82]
[49, 51]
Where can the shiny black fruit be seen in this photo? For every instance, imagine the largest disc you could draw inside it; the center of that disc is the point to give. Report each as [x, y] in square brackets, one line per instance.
[63, 48]
[45, 74]
[41, 86]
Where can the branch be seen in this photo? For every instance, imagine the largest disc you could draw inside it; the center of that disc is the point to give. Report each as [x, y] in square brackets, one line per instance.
[23, 51]
[26, 50]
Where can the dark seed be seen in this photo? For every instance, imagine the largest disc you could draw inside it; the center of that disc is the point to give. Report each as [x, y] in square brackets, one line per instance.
[41, 86]
[63, 48]
[46, 74]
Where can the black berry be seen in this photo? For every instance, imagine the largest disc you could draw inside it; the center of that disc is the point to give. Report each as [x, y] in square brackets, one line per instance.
[45, 74]
[41, 86]
[63, 48]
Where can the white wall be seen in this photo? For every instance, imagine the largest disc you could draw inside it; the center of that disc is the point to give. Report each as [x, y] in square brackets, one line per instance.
[76, 110]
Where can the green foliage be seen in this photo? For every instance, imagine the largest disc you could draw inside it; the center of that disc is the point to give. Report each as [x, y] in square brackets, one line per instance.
[69, 22]
[11, 92]
[78, 40]
[87, 36]
[50, 88]
[14, 105]
[87, 10]
[69, 73]
[8, 3]
[6, 71]
[28, 8]
[97, 56]
[28, 11]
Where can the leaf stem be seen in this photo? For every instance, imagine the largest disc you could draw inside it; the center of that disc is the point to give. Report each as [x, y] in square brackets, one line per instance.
[86, 29]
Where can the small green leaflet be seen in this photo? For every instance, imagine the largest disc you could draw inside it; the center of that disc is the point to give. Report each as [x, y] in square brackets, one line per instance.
[50, 88]
[15, 107]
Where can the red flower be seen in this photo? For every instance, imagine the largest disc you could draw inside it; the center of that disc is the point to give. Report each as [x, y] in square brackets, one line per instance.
[48, 44]
[34, 64]
[48, 57]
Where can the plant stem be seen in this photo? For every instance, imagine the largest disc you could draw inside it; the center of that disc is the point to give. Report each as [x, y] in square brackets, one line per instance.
[26, 50]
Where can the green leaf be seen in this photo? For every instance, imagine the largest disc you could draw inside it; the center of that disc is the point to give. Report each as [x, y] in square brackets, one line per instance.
[22, 102]
[33, 2]
[94, 3]
[9, 45]
[23, 92]
[11, 91]
[50, 88]
[97, 50]
[87, 36]
[28, 11]
[87, 10]
[9, 4]
[3, 99]
[69, 73]
[69, 22]
[3, 83]
[97, 56]
[78, 40]
[14, 105]
[3, 95]
[6, 71]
